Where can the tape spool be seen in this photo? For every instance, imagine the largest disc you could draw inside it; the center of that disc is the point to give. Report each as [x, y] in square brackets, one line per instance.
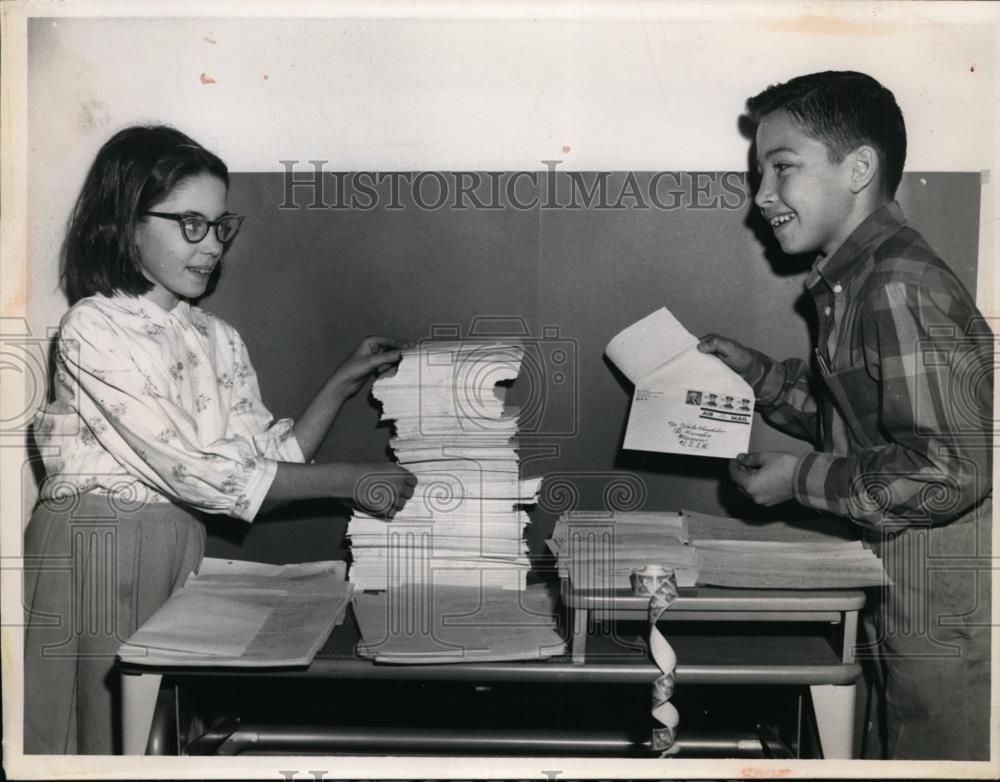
[661, 586]
[648, 579]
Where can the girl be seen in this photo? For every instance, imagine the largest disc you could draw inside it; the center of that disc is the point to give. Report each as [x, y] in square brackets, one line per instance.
[157, 419]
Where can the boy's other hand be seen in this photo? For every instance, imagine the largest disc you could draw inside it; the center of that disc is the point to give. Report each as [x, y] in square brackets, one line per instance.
[765, 476]
[732, 353]
[375, 355]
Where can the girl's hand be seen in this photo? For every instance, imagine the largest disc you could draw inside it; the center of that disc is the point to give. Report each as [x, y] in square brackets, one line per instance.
[765, 476]
[382, 488]
[374, 356]
[732, 353]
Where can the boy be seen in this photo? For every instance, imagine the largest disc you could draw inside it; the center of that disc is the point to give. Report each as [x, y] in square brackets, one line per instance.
[901, 412]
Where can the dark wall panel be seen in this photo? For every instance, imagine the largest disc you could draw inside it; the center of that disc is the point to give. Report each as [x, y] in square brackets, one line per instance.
[304, 285]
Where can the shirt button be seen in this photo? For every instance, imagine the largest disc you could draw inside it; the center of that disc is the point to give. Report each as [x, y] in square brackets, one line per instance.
[838, 288]
[827, 311]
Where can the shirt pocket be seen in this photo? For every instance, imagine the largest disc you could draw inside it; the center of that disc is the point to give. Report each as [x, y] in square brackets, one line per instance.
[855, 394]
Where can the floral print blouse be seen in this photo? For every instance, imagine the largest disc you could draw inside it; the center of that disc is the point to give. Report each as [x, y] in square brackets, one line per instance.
[158, 406]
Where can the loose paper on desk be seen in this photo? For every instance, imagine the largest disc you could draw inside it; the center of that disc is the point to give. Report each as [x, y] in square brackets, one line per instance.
[685, 401]
[244, 614]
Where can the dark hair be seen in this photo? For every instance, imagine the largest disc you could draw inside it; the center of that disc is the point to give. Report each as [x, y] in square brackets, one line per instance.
[843, 110]
[136, 169]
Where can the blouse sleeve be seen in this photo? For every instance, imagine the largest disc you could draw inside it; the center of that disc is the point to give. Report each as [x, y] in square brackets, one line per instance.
[128, 408]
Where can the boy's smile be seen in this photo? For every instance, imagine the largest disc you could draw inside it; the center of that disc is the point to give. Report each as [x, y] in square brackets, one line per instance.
[808, 201]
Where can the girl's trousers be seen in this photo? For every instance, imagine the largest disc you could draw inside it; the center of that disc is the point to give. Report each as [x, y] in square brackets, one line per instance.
[96, 568]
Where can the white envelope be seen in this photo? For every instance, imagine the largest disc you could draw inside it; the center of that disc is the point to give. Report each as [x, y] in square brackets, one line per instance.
[685, 401]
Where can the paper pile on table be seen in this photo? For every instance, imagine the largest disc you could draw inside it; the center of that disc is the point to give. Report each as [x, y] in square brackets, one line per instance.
[244, 614]
[465, 523]
[599, 550]
[822, 555]
[419, 623]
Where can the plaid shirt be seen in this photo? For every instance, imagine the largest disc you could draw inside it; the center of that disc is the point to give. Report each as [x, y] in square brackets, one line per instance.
[901, 400]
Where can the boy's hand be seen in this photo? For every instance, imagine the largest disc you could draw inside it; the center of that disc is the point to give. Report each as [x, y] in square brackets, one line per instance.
[374, 356]
[732, 353]
[765, 476]
[382, 488]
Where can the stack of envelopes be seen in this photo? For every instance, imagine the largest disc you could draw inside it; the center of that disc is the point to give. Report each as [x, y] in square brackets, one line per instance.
[465, 523]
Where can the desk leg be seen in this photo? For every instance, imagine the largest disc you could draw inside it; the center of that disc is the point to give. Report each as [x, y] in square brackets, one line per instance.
[578, 638]
[834, 707]
[139, 693]
[850, 636]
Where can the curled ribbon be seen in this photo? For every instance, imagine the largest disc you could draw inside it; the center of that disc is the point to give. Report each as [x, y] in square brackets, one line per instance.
[661, 586]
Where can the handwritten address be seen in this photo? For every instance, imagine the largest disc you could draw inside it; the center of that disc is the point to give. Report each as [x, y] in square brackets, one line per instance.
[694, 436]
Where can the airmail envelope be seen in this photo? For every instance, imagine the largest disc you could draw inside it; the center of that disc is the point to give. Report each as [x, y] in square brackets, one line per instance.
[684, 401]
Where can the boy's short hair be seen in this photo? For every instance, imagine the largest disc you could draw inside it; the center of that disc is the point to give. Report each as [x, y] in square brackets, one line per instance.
[843, 110]
[136, 169]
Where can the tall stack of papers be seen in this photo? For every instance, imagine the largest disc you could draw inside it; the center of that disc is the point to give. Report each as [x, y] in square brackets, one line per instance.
[465, 523]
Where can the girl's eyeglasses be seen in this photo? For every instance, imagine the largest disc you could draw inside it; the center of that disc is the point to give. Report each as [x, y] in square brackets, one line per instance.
[195, 227]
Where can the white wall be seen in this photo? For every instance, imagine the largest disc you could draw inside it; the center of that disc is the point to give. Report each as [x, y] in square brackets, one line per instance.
[637, 86]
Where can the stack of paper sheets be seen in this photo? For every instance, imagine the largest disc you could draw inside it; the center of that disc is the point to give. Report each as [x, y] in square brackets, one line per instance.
[244, 614]
[735, 553]
[465, 523]
[598, 551]
[419, 623]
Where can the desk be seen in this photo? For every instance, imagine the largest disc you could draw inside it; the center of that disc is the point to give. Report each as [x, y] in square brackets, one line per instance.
[739, 656]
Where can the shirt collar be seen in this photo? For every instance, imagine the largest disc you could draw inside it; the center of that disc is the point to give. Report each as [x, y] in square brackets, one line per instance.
[838, 270]
[142, 307]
